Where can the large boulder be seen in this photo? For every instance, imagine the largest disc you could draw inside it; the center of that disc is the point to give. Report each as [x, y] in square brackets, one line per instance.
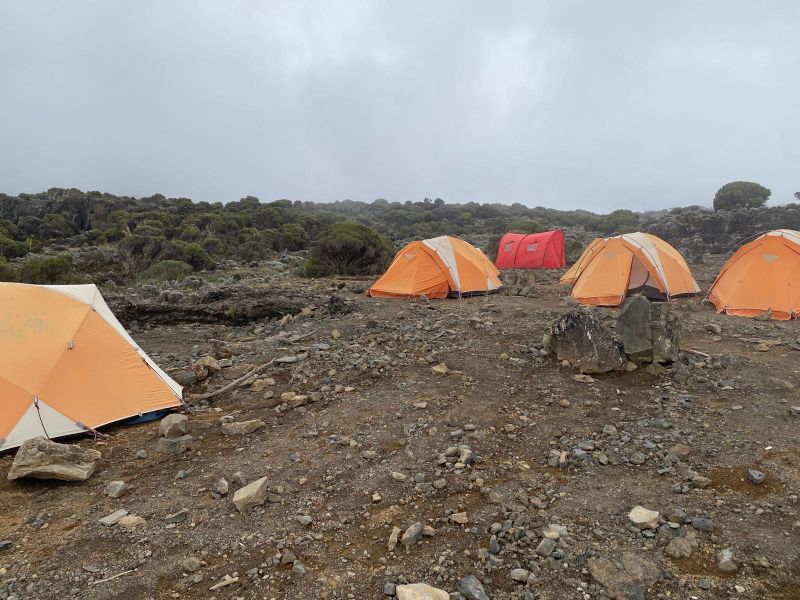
[650, 331]
[44, 459]
[581, 339]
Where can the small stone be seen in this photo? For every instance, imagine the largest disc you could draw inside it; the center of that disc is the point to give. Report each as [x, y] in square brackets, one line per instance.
[679, 547]
[389, 589]
[5, 545]
[243, 427]
[191, 564]
[520, 575]
[114, 489]
[756, 477]
[252, 495]
[546, 547]
[703, 524]
[393, 537]
[637, 458]
[420, 591]
[140, 454]
[440, 369]
[220, 487]
[177, 517]
[471, 588]
[113, 518]
[304, 519]
[131, 521]
[175, 445]
[460, 518]
[412, 535]
[643, 518]
[298, 568]
[725, 562]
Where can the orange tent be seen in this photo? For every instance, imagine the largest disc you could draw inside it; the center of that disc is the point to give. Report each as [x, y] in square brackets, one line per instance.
[611, 268]
[437, 267]
[68, 366]
[762, 275]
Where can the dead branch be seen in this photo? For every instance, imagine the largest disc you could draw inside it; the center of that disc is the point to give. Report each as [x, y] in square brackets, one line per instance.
[233, 384]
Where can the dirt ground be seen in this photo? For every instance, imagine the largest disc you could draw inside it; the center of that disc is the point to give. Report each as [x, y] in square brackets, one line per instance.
[365, 453]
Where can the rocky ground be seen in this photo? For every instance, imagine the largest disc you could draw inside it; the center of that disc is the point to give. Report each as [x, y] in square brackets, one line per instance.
[406, 442]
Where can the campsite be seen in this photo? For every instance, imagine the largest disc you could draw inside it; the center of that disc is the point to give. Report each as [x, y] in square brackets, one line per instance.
[386, 412]
[359, 300]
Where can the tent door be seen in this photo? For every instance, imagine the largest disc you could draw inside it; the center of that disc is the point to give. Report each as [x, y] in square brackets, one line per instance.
[641, 281]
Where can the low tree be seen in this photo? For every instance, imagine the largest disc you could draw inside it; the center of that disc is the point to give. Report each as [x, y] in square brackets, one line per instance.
[741, 194]
[348, 248]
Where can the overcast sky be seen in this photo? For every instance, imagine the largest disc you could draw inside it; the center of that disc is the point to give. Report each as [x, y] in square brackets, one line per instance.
[567, 104]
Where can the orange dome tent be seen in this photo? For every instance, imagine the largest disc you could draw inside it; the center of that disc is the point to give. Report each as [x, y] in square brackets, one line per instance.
[68, 366]
[611, 268]
[763, 275]
[437, 268]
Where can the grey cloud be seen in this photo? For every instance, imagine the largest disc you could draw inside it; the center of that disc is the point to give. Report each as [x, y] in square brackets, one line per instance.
[570, 104]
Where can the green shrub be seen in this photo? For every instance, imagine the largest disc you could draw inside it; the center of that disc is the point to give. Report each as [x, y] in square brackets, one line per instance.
[7, 271]
[48, 270]
[167, 270]
[348, 248]
[292, 237]
[10, 248]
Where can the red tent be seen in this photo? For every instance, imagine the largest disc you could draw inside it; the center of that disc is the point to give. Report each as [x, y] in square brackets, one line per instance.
[531, 251]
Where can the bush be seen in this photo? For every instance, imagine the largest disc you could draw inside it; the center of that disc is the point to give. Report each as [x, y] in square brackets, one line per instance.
[7, 271]
[10, 248]
[292, 237]
[49, 270]
[167, 270]
[741, 194]
[348, 248]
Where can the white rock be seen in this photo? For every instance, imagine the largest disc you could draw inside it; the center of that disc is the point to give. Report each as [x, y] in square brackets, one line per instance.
[252, 495]
[643, 518]
[420, 591]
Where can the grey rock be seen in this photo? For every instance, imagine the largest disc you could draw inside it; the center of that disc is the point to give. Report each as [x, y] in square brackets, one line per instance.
[42, 459]
[389, 589]
[173, 426]
[5, 545]
[114, 489]
[679, 547]
[471, 588]
[520, 575]
[756, 477]
[177, 517]
[412, 535]
[191, 564]
[243, 427]
[113, 518]
[141, 454]
[175, 445]
[546, 547]
[650, 331]
[627, 580]
[725, 562]
[582, 340]
[703, 524]
[252, 495]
